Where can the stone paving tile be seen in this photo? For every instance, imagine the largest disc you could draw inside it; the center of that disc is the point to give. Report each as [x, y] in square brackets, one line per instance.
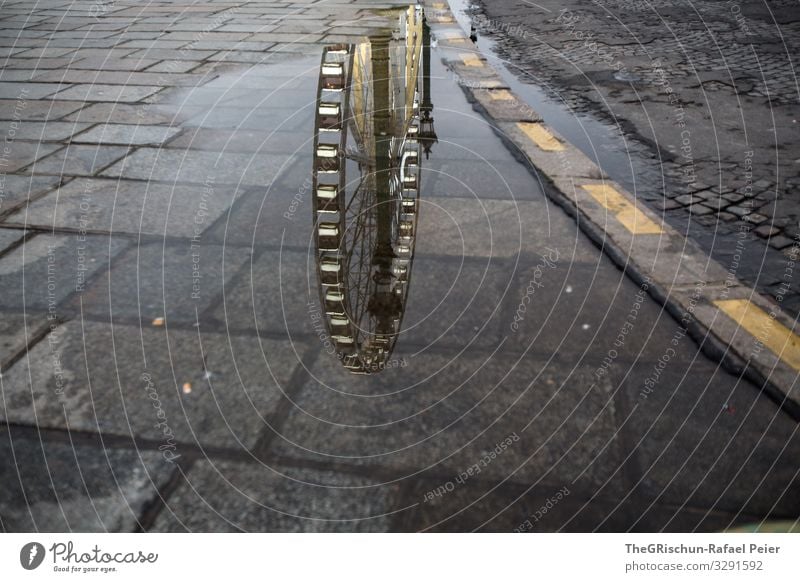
[271, 296]
[114, 93]
[37, 110]
[705, 438]
[448, 413]
[96, 68]
[214, 390]
[499, 228]
[28, 90]
[228, 496]
[79, 160]
[241, 141]
[173, 66]
[43, 131]
[44, 53]
[40, 64]
[17, 330]
[23, 153]
[130, 207]
[133, 114]
[457, 302]
[165, 54]
[490, 507]
[249, 118]
[584, 311]
[114, 133]
[64, 487]
[275, 217]
[198, 167]
[16, 189]
[468, 179]
[9, 237]
[177, 282]
[48, 268]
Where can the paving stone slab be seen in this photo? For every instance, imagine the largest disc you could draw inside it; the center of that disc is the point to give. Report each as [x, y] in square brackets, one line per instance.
[126, 113]
[48, 268]
[115, 133]
[63, 487]
[705, 438]
[199, 167]
[171, 386]
[20, 154]
[177, 282]
[112, 93]
[500, 228]
[79, 160]
[16, 189]
[133, 207]
[452, 413]
[17, 330]
[226, 496]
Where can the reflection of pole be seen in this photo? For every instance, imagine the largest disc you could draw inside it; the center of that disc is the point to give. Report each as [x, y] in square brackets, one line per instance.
[383, 136]
[427, 134]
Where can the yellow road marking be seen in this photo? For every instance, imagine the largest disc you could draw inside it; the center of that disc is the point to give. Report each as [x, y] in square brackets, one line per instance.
[541, 137]
[625, 211]
[471, 60]
[501, 95]
[439, 5]
[770, 332]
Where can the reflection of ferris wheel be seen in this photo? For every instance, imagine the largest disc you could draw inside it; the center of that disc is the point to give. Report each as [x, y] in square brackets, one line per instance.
[366, 189]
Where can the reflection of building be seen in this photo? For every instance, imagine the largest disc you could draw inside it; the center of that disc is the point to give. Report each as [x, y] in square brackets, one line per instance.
[371, 128]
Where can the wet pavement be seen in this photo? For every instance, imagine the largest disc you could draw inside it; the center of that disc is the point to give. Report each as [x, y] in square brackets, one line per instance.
[693, 108]
[163, 363]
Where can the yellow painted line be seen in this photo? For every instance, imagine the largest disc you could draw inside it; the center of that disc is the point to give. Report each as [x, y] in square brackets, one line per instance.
[501, 95]
[471, 60]
[623, 209]
[778, 338]
[541, 137]
[439, 5]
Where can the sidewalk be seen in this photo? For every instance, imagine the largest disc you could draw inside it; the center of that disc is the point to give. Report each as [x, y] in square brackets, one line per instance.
[161, 368]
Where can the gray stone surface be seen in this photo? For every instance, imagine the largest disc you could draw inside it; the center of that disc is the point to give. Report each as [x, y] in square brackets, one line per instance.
[227, 496]
[127, 134]
[79, 160]
[67, 487]
[22, 153]
[131, 207]
[41, 273]
[132, 381]
[197, 167]
[448, 412]
[271, 433]
[17, 330]
[177, 282]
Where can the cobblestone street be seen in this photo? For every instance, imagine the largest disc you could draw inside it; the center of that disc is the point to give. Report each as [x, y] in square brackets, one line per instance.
[164, 365]
[704, 103]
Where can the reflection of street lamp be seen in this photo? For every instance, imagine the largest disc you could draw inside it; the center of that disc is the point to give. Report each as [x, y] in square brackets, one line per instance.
[427, 135]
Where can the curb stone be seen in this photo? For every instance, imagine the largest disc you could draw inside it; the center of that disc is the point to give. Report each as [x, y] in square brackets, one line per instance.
[732, 323]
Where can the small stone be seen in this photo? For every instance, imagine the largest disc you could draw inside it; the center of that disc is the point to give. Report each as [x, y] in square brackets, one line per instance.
[700, 210]
[733, 197]
[727, 216]
[766, 231]
[756, 218]
[684, 200]
[780, 242]
[739, 210]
